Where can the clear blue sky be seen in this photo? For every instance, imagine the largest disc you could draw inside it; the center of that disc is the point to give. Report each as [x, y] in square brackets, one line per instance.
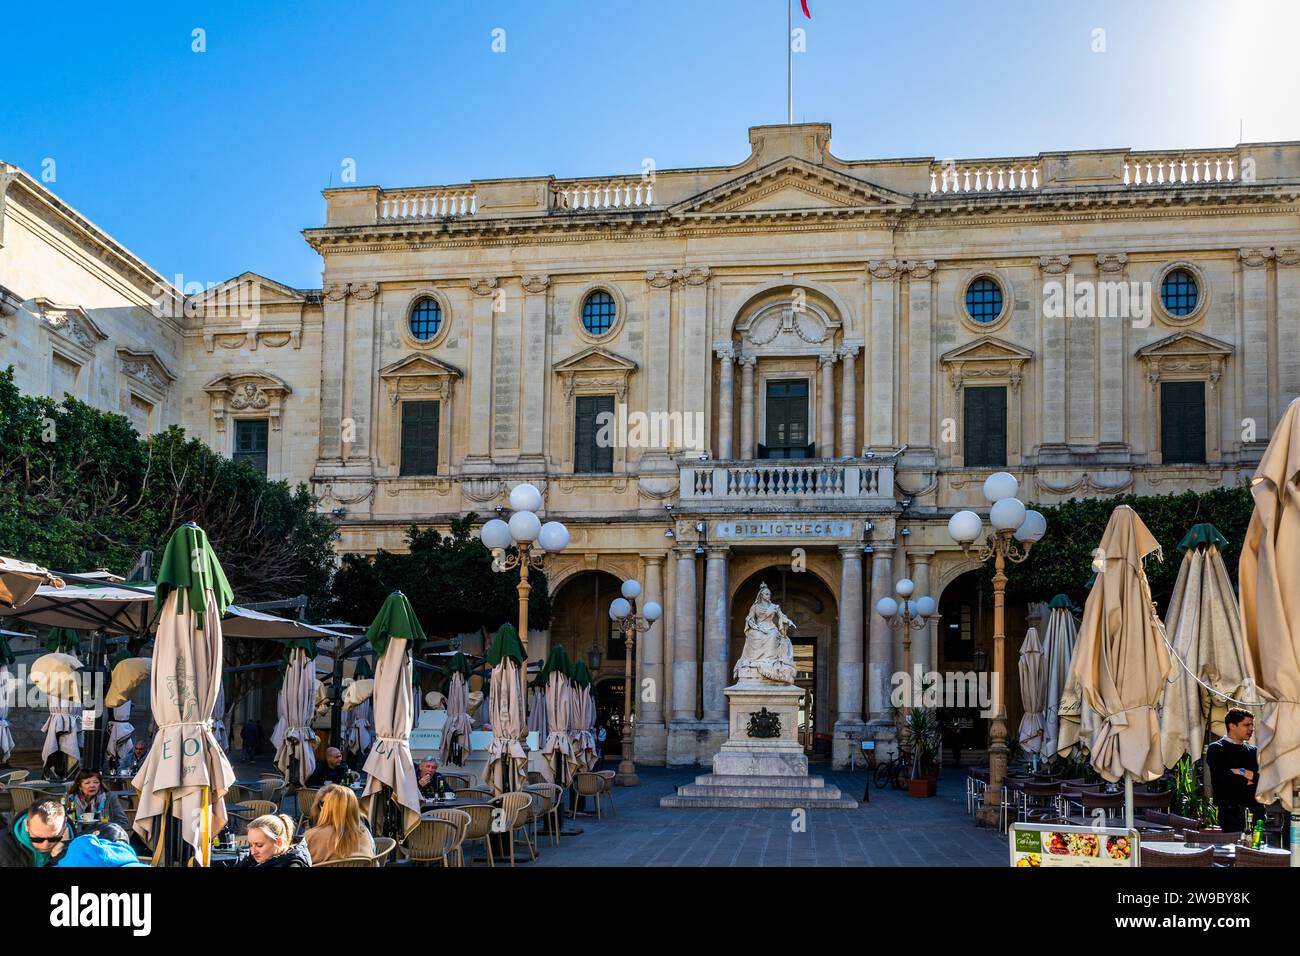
[208, 164]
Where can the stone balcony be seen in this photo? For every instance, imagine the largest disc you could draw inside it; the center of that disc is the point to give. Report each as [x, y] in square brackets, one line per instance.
[812, 484]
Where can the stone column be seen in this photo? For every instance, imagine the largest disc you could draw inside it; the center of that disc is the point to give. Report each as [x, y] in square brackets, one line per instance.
[1114, 359]
[916, 401]
[533, 446]
[1052, 383]
[848, 654]
[826, 418]
[1257, 403]
[881, 397]
[716, 629]
[849, 402]
[880, 649]
[747, 363]
[685, 630]
[726, 403]
[480, 376]
[651, 735]
[922, 649]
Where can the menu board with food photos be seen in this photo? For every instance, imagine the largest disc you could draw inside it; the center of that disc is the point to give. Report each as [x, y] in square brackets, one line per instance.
[1037, 844]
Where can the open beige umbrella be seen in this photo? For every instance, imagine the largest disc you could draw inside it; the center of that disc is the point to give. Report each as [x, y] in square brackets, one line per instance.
[293, 737]
[456, 731]
[390, 768]
[1269, 575]
[507, 761]
[186, 775]
[20, 580]
[1033, 679]
[1211, 667]
[1058, 651]
[1121, 660]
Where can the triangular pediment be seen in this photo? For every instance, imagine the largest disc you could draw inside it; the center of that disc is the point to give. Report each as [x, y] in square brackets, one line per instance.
[145, 366]
[987, 349]
[791, 183]
[248, 286]
[70, 321]
[1185, 343]
[595, 359]
[263, 381]
[421, 365]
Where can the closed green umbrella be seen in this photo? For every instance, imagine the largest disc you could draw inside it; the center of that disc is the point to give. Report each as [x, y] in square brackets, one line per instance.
[63, 640]
[394, 635]
[507, 760]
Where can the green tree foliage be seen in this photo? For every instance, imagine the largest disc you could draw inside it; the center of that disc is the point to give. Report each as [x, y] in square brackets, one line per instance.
[1062, 562]
[80, 489]
[447, 578]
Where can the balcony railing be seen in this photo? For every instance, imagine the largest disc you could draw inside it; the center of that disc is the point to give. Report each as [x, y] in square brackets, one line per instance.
[777, 482]
[1181, 169]
[591, 195]
[434, 202]
[984, 176]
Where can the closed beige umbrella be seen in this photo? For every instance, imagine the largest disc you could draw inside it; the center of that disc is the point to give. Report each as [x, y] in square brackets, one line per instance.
[456, 730]
[7, 683]
[186, 775]
[1269, 575]
[1121, 658]
[1058, 652]
[293, 737]
[507, 761]
[394, 633]
[1211, 667]
[1033, 679]
[55, 674]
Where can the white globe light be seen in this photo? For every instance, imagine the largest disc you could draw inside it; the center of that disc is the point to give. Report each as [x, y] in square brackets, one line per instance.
[525, 497]
[886, 607]
[904, 587]
[911, 608]
[964, 527]
[1000, 485]
[1007, 514]
[631, 589]
[553, 537]
[495, 535]
[619, 608]
[925, 606]
[1033, 528]
[652, 611]
[525, 526]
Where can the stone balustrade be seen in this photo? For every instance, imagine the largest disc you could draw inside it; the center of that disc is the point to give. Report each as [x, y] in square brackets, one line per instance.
[1178, 169]
[586, 195]
[729, 483]
[984, 175]
[432, 202]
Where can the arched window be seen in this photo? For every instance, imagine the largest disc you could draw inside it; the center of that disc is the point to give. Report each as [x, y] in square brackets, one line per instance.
[598, 312]
[426, 319]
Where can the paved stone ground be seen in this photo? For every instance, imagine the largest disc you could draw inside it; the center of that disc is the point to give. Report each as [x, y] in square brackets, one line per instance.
[891, 830]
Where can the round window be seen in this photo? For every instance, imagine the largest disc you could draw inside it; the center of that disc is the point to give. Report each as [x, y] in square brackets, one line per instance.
[1179, 293]
[598, 312]
[984, 300]
[426, 319]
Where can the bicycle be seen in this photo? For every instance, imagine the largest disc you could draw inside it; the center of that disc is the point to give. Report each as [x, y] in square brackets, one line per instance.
[896, 770]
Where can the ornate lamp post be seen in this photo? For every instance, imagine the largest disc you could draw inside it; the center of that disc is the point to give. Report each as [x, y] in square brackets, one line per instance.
[622, 611]
[909, 615]
[532, 540]
[1014, 532]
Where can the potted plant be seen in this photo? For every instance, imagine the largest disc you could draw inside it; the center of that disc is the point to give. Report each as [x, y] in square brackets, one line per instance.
[922, 735]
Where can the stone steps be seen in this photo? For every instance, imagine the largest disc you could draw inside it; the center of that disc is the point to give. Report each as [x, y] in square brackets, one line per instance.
[758, 803]
[731, 790]
[740, 780]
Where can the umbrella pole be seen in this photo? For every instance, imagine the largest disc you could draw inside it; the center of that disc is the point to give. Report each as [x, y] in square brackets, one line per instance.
[1128, 801]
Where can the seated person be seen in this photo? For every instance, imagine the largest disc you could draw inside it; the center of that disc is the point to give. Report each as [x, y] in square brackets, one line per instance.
[89, 802]
[331, 770]
[432, 784]
[271, 846]
[37, 838]
[134, 760]
[339, 831]
[108, 846]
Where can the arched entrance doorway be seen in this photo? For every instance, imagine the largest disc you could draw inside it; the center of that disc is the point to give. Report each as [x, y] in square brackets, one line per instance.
[809, 602]
[580, 622]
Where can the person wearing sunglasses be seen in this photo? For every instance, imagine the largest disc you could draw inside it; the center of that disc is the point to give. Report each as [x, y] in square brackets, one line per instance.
[36, 838]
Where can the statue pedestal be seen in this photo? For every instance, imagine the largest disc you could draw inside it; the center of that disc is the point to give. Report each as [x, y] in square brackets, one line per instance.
[762, 763]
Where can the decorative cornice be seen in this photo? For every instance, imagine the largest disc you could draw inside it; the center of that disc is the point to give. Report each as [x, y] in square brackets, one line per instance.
[849, 351]
[882, 268]
[660, 279]
[1289, 256]
[919, 268]
[483, 285]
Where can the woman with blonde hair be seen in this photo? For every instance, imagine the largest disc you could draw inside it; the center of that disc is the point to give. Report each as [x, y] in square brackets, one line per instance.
[339, 831]
[270, 844]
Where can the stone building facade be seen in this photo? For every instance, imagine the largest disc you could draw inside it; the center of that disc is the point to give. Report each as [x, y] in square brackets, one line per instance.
[810, 363]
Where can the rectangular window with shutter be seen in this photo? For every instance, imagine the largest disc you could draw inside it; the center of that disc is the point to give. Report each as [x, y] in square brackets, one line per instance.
[984, 432]
[589, 455]
[420, 422]
[251, 442]
[787, 420]
[1182, 423]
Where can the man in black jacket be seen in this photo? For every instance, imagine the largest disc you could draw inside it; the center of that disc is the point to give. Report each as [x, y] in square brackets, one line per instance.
[1234, 771]
[37, 838]
[330, 770]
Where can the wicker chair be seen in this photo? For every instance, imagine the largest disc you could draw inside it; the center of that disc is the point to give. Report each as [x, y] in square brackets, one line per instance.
[480, 826]
[516, 813]
[1154, 857]
[250, 810]
[546, 807]
[586, 784]
[474, 795]
[608, 777]
[1107, 802]
[383, 849]
[1212, 837]
[1255, 858]
[433, 840]
[307, 803]
[1160, 836]
[23, 798]
[536, 777]
[457, 781]
[366, 862]
[10, 777]
[456, 816]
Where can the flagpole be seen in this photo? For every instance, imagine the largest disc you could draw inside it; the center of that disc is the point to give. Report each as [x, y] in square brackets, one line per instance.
[789, 64]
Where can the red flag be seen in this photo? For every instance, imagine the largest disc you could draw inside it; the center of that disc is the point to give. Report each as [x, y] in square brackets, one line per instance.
[804, 5]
